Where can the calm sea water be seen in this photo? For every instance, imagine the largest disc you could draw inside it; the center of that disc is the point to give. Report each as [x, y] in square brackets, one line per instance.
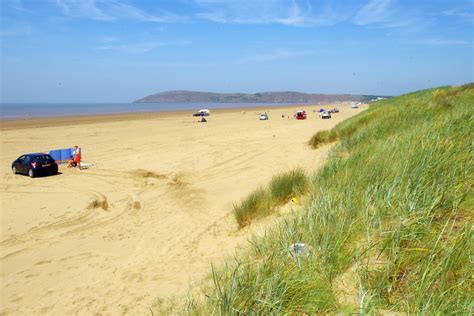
[31, 110]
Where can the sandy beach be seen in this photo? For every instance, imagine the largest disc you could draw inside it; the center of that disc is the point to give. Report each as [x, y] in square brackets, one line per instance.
[151, 214]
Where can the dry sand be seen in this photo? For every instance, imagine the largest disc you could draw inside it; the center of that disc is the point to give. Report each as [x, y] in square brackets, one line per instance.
[151, 214]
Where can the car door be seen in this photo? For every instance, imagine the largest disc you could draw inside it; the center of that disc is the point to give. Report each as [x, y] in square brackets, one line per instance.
[25, 164]
[19, 164]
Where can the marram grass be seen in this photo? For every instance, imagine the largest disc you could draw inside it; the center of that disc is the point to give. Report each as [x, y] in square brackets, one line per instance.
[284, 186]
[264, 201]
[257, 204]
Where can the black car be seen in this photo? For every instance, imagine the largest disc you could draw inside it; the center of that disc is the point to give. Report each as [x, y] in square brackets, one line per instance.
[35, 164]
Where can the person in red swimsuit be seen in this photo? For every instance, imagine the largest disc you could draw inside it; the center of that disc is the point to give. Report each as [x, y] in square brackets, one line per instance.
[77, 156]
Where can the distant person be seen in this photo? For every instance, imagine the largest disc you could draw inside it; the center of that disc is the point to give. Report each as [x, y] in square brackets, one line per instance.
[77, 156]
[71, 163]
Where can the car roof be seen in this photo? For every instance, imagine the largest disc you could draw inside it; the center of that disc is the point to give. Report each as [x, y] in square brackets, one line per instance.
[35, 154]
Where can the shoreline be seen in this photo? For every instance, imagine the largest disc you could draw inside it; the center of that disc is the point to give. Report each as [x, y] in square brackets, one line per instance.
[52, 121]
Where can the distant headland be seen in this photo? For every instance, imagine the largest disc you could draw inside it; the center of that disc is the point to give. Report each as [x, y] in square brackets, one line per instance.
[183, 96]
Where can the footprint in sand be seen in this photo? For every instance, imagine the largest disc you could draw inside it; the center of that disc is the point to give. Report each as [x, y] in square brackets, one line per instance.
[31, 275]
[16, 299]
[42, 262]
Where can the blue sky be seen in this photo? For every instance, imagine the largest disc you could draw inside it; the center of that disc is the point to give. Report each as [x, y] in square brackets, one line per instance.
[119, 50]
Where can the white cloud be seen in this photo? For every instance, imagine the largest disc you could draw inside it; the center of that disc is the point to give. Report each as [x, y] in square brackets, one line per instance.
[390, 14]
[108, 39]
[132, 47]
[284, 12]
[383, 13]
[217, 17]
[375, 11]
[276, 54]
[85, 8]
[16, 5]
[446, 42]
[298, 13]
[16, 29]
[468, 15]
[111, 10]
[141, 47]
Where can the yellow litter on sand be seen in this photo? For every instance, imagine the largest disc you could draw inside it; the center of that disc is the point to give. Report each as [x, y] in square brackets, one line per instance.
[295, 200]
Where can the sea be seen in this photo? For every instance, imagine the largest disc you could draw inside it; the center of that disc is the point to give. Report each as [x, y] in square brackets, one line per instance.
[37, 110]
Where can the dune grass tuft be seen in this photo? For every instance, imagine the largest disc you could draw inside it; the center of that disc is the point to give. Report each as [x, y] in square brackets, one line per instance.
[286, 185]
[264, 201]
[257, 204]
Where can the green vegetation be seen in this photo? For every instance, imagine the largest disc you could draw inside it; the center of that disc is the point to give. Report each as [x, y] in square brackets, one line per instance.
[283, 187]
[257, 204]
[390, 218]
[263, 202]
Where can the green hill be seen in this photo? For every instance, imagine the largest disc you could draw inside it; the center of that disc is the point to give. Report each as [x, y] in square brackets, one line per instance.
[389, 221]
[182, 96]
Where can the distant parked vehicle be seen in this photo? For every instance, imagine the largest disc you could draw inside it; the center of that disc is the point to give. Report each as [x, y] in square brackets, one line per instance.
[203, 112]
[35, 164]
[326, 115]
[335, 110]
[263, 117]
[301, 115]
[355, 105]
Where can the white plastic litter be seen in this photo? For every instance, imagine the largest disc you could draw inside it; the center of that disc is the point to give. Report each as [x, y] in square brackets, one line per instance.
[300, 250]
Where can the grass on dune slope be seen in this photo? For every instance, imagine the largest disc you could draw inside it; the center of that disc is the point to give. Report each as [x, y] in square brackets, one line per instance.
[264, 201]
[390, 216]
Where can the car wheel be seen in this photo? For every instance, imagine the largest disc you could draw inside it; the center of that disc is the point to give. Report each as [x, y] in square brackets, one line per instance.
[31, 173]
[14, 170]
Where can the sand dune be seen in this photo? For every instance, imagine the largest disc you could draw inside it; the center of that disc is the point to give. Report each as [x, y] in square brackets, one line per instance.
[151, 214]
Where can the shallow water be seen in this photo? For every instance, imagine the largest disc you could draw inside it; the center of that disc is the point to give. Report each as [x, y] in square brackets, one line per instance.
[31, 110]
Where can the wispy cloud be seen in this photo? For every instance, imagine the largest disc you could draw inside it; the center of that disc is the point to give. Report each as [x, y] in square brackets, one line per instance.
[466, 15]
[276, 54]
[16, 5]
[12, 19]
[86, 8]
[140, 47]
[16, 29]
[446, 42]
[111, 10]
[109, 39]
[384, 13]
[284, 12]
[133, 48]
[296, 13]
[392, 14]
[375, 11]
